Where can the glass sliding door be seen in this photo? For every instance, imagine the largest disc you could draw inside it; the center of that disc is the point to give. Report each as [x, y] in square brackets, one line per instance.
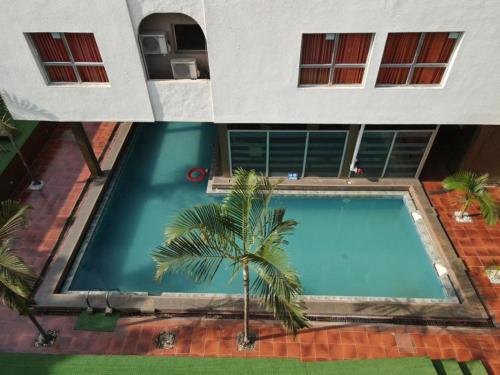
[286, 152]
[280, 152]
[407, 152]
[374, 151]
[325, 153]
[248, 150]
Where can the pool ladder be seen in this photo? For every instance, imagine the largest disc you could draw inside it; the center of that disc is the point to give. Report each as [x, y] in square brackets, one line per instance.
[109, 309]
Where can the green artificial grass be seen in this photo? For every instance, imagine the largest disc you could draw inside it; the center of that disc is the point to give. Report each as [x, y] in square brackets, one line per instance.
[473, 368]
[27, 364]
[96, 322]
[447, 367]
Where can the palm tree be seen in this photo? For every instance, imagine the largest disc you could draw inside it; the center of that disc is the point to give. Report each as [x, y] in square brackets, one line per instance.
[7, 129]
[246, 234]
[473, 186]
[16, 278]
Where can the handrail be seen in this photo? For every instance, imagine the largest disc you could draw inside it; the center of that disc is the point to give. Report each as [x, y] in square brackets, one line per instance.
[108, 293]
[87, 298]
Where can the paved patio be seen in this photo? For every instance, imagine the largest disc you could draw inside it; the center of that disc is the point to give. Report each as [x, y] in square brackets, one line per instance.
[62, 167]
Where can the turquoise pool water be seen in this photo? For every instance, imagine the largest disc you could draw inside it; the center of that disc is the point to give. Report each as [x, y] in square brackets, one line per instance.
[341, 247]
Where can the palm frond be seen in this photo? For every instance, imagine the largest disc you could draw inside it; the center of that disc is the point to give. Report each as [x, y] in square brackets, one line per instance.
[209, 219]
[488, 208]
[16, 278]
[190, 255]
[466, 182]
[275, 228]
[12, 218]
[238, 203]
[248, 203]
[474, 187]
[278, 287]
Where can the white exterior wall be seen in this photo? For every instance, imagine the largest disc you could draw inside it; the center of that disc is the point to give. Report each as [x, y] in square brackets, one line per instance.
[23, 86]
[254, 50]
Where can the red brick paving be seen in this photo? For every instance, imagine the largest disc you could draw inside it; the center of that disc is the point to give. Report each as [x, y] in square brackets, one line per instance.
[477, 244]
[61, 166]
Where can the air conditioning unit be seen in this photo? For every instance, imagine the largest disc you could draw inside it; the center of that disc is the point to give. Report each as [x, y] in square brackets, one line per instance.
[154, 44]
[184, 68]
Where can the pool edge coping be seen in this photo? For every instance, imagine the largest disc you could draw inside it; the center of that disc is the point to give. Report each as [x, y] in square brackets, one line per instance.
[48, 298]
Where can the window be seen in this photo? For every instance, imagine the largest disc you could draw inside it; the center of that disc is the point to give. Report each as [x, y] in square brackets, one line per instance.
[280, 152]
[70, 57]
[416, 58]
[392, 153]
[334, 59]
[189, 38]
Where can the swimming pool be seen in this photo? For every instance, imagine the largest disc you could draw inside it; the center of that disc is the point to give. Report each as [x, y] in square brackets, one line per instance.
[343, 246]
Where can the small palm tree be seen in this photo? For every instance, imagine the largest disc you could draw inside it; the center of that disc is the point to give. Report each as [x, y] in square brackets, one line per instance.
[473, 186]
[7, 129]
[244, 232]
[16, 278]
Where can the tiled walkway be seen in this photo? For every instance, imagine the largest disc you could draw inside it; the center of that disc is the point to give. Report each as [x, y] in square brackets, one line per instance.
[477, 244]
[62, 167]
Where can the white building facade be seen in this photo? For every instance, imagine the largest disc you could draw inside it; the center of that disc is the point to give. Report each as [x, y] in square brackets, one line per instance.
[252, 63]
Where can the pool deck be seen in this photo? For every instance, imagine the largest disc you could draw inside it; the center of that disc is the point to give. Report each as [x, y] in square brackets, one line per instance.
[467, 307]
[61, 166]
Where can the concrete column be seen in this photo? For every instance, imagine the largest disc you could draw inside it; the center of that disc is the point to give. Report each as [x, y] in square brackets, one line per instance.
[349, 151]
[86, 148]
[223, 150]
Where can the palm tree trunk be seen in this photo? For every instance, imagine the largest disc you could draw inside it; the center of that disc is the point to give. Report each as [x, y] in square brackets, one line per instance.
[246, 302]
[464, 208]
[44, 334]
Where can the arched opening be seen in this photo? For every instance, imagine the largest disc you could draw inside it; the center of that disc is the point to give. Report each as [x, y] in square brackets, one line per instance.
[173, 47]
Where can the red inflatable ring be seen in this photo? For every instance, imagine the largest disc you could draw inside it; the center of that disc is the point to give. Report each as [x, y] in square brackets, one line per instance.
[196, 174]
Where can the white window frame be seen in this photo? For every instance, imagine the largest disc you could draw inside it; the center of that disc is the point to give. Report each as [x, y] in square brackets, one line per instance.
[414, 64]
[72, 63]
[332, 65]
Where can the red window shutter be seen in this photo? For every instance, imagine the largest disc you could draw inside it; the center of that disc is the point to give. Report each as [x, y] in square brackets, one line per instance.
[343, 76]
[50, 49]
[400, 48]
[61, 73]
[427, 76]
[316, 49]
[83, 47]
[353, 48]
[436, 48]
[314, 76]
[92, 74]
[392, 76]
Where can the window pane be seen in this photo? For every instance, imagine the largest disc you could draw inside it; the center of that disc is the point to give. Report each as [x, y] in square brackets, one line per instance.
[400, 48]
[61, 73]
[314, 76]
[373, 152]
[286, 153]
[392, 76]
[189, 38]
[353, 48]
[92, 74]
[436, 48]
[427, 75]
[407, 152]
[49, 48]
[248, 150]
[316, 49]
[324, 153]
[83, 47]
[348, 75]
